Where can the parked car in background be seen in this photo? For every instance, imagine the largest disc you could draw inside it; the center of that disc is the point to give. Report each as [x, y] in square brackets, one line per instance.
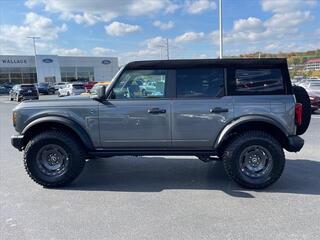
[89, 85]
[315, 100]
[94, 88]
[59, 85]
[71, 89]
[3, 90]
[313, 89]
[312, 84]
[45, 88]
[23, 92]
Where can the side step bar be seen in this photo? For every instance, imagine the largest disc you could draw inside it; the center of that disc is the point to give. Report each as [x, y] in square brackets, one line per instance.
[134, 152]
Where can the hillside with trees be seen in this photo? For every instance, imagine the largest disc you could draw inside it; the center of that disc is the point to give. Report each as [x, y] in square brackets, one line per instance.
[294, 59]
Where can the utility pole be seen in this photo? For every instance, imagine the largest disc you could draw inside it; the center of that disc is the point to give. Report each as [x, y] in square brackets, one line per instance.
[165, 45]
[35, 52]
[220, 29]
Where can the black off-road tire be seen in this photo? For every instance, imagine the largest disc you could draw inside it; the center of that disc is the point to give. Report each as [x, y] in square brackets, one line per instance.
[75, 160]
[302, 97]
[231, 159]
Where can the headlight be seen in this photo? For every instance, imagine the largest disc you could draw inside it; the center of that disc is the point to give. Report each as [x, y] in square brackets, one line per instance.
[14, 118]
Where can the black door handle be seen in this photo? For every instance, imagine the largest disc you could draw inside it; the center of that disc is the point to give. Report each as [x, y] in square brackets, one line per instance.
[156, 111]
[219, 110]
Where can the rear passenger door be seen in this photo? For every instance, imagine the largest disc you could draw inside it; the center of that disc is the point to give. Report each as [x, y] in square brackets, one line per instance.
[201, 109]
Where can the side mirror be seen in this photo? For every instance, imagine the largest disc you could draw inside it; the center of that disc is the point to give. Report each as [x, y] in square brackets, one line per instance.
[100, 93]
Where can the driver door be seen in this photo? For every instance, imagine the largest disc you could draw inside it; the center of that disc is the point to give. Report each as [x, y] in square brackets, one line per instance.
[135, 118]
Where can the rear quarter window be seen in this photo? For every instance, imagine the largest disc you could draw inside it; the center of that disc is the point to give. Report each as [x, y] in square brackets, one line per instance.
[267, 81]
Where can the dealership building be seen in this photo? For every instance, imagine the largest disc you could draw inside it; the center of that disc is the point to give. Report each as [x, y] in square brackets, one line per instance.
[55, 69]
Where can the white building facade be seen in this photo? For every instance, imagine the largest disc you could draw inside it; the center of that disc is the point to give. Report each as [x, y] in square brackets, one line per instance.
[312, 65]
[52, 68]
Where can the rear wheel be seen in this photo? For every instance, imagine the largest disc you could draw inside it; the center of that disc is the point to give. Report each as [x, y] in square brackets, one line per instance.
[54, 159]
[254, 159]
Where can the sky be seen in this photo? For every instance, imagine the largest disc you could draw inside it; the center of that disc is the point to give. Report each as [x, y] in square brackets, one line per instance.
[138, 29]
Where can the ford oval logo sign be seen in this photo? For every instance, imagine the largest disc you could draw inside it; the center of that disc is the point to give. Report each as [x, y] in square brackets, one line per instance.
[106, 62]
[47, 60]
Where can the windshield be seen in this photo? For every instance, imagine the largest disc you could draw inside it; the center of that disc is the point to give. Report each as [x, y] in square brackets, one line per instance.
[78, 86]
[27, 86]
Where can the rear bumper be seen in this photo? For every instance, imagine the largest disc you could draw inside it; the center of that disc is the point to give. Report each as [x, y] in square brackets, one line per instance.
[17, 141]
[295, 143]
[29, 97]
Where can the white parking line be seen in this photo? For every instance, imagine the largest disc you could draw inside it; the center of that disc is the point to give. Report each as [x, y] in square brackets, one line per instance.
[315, 116]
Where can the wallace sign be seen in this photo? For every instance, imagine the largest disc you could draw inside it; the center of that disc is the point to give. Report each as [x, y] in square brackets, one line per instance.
[14, 61]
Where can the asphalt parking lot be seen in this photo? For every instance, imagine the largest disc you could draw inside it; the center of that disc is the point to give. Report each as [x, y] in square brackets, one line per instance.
[159, 198]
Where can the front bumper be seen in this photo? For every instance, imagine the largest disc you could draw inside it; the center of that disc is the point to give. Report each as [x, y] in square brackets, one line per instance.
[17, 141]
[295, 143]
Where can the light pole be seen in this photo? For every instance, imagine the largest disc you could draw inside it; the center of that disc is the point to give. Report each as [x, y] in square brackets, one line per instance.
[220, 29]
[35, 52]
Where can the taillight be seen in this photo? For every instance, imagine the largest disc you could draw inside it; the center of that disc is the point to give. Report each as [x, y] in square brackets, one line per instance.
[298, 111]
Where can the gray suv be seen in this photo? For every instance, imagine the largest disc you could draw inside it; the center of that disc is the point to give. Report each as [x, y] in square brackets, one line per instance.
[242, 112]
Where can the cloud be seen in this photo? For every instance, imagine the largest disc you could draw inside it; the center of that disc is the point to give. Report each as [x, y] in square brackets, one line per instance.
[68, 52]
[100, 51]
[163, 25]
[152, 48]
[155, 42]
[287, 20]
[14, 38]
[93, 11]
[249, 24]
[120, 29]
[283, 6]
[189, 37]
[199, 6]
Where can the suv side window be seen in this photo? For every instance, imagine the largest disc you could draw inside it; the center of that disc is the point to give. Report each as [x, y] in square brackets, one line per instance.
[258, 82]
[200, 82]
[140, 84]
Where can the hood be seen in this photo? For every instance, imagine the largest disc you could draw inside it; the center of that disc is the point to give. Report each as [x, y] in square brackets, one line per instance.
[64, 102]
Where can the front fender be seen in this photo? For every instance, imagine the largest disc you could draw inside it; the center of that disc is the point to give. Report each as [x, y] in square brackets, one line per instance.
[77, 128]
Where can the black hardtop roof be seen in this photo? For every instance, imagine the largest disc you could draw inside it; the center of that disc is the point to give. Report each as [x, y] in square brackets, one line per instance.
[196, 63]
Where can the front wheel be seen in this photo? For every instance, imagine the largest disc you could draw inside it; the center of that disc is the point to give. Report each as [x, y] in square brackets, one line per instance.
[254, 159]
[53, 159]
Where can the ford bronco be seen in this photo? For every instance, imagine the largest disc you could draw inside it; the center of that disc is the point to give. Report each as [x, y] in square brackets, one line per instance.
[244, 112]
